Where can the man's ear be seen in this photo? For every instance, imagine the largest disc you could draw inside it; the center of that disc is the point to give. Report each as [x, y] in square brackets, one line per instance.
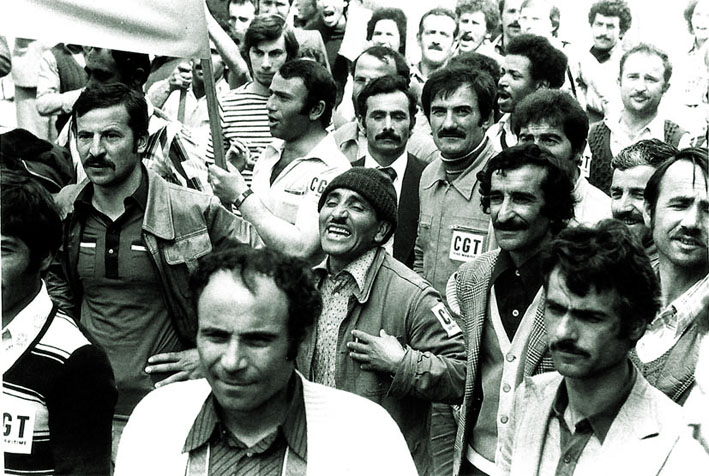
[141, 144]
[488, 122]
[316, 111]
[384, 227]
[542, 84]
[647, 216]
[362, 123]
[666, 87]
[44, 263]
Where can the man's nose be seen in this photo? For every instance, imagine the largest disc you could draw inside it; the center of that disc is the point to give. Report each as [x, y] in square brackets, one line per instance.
[234, 358]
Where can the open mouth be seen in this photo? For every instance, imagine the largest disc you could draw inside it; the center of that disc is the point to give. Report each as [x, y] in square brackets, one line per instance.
[338, 232]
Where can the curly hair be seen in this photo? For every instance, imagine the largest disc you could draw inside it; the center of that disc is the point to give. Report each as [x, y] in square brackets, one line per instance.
[397, 16]
[557, 186]
[698, 156]
[29, 214]
[612, 8]
[652, 152]
[546, 62]
[448, 80]
[557, 108]
[489, 9]
[290, 275]
[607, 257]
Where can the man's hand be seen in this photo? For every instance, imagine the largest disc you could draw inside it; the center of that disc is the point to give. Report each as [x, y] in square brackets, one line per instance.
[382, 354]
[181, 76]
[185, 364]
[238, 156]
[227, 186]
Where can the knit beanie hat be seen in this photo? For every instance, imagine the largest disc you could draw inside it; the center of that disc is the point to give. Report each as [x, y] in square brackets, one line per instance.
[375, 186]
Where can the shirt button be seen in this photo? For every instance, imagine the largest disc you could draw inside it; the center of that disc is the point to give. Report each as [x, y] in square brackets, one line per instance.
[504, 419]
[567, 459]
[517, 273]
[249, 454]
[510, 358]
[110, 251]
[515, 312]
[506, 387]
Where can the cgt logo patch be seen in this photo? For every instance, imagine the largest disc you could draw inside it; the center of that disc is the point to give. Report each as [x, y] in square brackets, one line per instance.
[18, 428]
[444, 317]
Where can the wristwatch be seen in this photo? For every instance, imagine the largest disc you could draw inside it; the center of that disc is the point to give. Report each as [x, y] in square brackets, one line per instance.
[244, 195]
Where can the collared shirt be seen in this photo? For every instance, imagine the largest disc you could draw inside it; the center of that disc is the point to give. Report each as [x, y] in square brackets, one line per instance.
[592, 205]
[515, 288]
[622, 137]
[229, 456]
[399, 166]
[500, 134]
[122, 303]
[171, 152]
[667, 328]
[293, 196]
[21, 332]
[336, 292]
[572, 448]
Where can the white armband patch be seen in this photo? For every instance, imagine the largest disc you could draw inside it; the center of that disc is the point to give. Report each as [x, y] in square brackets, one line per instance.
[447, 322]
[18, 426]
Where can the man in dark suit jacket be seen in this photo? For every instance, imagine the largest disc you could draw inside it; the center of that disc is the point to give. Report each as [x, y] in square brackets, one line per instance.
[387, 109]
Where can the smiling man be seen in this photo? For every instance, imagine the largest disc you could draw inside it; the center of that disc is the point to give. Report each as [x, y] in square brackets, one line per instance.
[597, 414]
[254, 414]
[529, 196]
[384, 332]
[677, 212]
[645, 73]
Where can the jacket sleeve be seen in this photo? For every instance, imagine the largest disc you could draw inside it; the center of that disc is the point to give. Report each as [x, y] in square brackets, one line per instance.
[433, 367]
[224, 225]
[59, 288]
[80, 414]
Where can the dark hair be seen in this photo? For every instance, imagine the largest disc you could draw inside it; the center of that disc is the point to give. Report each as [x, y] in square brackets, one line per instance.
[397, 16]
[107, 95]
[448, 80]
[652, 152]
[385, 85]
[269, 28]
[439, 12]
[546, 62]
[606, 257]
[29, 214]
[557, 108]
[290, 275]
[698, 156]
[557, 186]
[477, 62]
[648, 50]
[688, 13]
[386, 55]
[492, 16]
[132, 67]
[612, 8]
[318, 82]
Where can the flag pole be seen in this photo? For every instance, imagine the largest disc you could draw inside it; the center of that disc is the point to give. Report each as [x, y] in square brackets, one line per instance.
[215, 126]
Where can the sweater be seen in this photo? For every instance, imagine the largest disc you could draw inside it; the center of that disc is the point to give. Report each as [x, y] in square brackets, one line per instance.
[347, 434]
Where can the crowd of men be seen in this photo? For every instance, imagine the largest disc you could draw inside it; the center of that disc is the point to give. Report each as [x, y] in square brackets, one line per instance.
[492, 261]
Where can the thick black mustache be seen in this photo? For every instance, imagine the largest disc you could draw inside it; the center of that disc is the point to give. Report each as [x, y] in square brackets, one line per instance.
[568, 347]
[451, 133]
[99, 161]
[514, 24]
[435, 46]
[510, 225]
[388, 135]
[691, 233]
[629, 215]
[603, 37]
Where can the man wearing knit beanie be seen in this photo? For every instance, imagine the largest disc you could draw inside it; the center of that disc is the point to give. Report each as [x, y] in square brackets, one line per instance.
[382, 325]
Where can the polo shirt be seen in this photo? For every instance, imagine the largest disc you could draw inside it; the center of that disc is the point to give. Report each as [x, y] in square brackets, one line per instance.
[227, 455]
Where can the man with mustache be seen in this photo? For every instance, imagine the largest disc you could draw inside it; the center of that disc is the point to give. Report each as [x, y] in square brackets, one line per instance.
[677, 212]
[531, 63]
[597, 414]
[509, 19]
[529, 195]
[438, 28]
[645, 73]
[387, 113]
[130, 242]
[554, 120]
[632, 168]
[477, 20]
[596, 68]
[384, 332]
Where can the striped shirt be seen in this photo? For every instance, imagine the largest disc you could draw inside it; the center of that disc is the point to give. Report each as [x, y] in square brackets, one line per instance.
[243, 119]
[287, 445]
[58, 395]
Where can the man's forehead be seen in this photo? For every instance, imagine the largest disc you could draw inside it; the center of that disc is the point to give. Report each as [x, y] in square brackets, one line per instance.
[462, 95]
[112, 116]
[527, 178]
[439, 23]
[389, 101]
[681, 175]
[372, 66]
[516, 63]
[543, 127]
[271, 45]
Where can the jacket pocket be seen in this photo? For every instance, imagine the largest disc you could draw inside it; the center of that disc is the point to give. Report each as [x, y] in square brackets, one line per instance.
[188, 249]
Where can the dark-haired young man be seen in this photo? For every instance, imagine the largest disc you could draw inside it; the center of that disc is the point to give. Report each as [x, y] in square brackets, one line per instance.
[292, 172]
[529, 195]
[531, 63]
[58, 392]
[384, 332]
[130, 241]
[597, 414]
[677, 212]
[477, 20]
[254, 414]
